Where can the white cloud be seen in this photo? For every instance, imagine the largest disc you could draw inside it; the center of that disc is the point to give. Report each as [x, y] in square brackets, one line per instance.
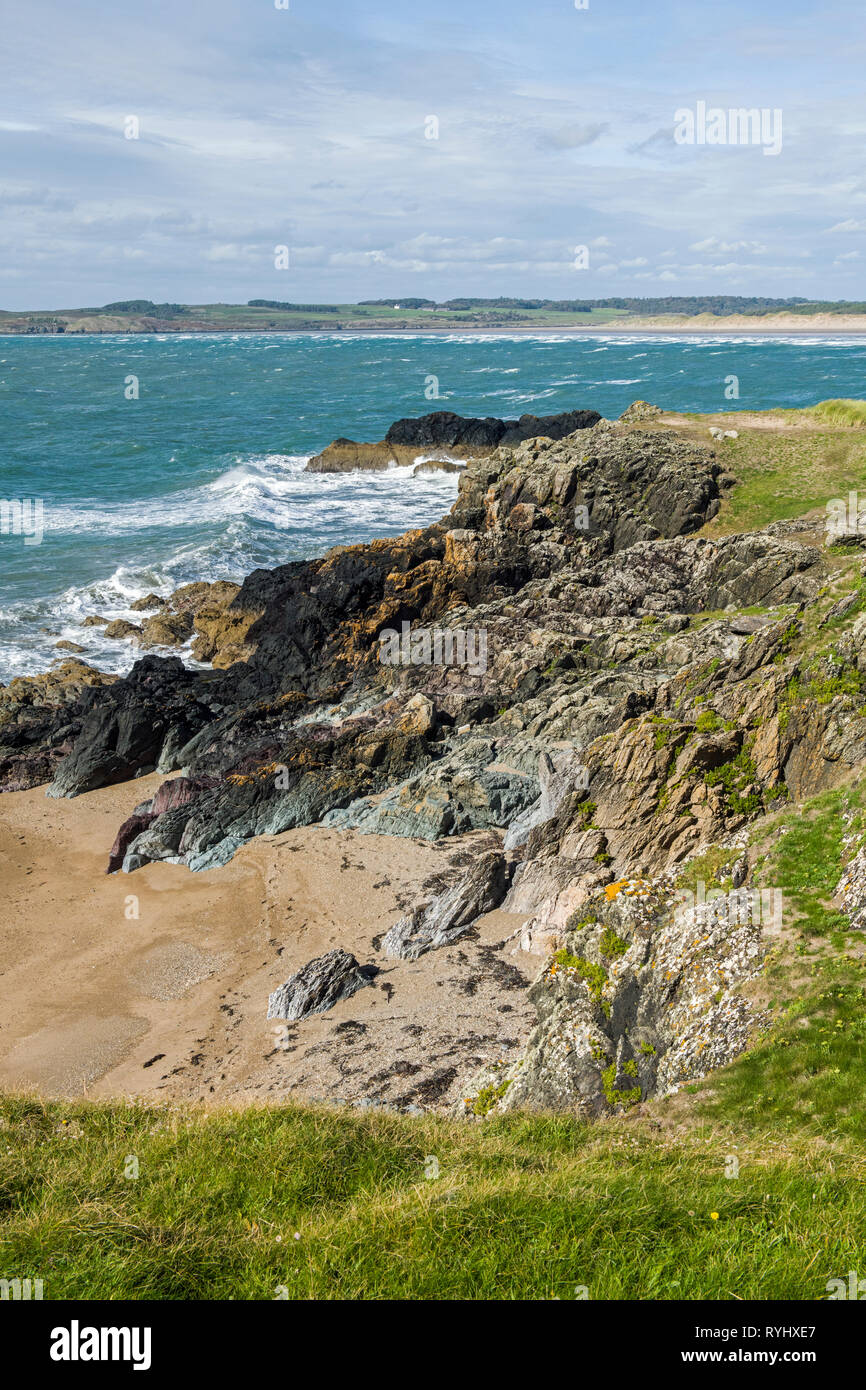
[713, 244]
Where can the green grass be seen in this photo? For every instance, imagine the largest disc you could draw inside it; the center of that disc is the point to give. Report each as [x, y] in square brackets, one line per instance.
[594, 975]
[841, 412]
[787, 472]
[713, 869]
[807, 1076]
[807, 859]
[540, 1207]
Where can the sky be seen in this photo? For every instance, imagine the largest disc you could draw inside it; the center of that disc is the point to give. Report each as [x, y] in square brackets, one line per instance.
[427, 147]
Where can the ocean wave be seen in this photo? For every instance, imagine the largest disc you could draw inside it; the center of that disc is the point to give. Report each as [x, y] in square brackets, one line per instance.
[261, 512]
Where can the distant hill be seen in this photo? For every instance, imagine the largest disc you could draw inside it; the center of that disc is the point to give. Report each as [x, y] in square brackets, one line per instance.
[411, 313]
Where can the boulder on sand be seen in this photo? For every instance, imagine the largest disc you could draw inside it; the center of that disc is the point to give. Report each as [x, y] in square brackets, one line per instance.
[451, 913]
[319, 985]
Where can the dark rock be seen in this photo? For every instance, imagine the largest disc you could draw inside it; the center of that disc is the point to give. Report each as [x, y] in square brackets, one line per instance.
[319, 985]
[453, 431]
[445, 431]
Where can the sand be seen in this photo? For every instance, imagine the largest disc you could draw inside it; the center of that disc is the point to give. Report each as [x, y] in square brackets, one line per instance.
[155, 984]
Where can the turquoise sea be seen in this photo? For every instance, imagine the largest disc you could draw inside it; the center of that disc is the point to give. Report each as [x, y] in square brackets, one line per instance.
[201, 476]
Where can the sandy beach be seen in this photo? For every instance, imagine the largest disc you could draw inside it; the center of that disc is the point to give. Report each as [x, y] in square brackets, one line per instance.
[156, 983]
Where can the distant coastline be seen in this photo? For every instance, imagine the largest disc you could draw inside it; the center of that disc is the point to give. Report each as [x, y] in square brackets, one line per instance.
[672, 316]
[725, 328]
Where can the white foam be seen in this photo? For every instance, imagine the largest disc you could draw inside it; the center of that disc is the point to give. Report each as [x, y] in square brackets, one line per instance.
[259, 513]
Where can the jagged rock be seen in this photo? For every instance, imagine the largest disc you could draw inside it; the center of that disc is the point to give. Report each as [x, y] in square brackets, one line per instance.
[643, 999]
[639, 411]
[462, 792]
[607, 484]
[454, 436]
[40, 718]
[121, 629]
[126, 850]
[166, 630]
[445, 428]
[122, 726]
[148, 603]
[851, 891]
[65, 646]
[556, 784]
[95, 620]
[189, 598]
[319, 985]
[451, 913]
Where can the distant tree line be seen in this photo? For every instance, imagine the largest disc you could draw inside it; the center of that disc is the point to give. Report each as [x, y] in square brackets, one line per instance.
[299, 308]
[140, 306]
[718, 304]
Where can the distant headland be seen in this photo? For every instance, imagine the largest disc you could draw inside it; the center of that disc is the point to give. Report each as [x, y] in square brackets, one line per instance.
[671, 314]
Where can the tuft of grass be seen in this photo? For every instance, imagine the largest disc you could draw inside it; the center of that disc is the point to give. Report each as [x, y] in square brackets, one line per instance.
[734, 778]
[594, 975]
[713, 869]
[841, 412]
[612, 946]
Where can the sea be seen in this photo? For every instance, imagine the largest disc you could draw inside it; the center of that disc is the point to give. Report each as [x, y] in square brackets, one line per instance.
[158, 460]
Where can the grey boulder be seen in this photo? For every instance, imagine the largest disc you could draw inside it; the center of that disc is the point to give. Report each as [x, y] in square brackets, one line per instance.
[451, 913]
[319, 985]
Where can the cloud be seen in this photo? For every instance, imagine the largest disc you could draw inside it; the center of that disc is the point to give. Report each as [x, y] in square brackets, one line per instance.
[713, 244]
[307, 128]
[574, 137]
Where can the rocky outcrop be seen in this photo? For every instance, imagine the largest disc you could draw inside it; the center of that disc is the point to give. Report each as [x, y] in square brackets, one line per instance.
[451, 913]
[643, 689]
[451, 436]
[639, 412]
[644, 996]
[851, 891]
[453, 431]
[40, 720]
[319, 985]
[132, 846]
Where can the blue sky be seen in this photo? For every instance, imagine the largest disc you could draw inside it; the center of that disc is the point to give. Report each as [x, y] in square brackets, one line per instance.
[305, 127]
